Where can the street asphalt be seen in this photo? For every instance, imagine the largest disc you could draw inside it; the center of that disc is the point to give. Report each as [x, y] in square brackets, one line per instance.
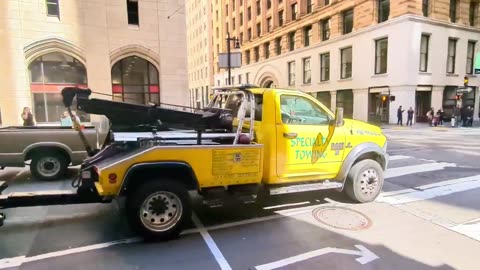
[428, 217]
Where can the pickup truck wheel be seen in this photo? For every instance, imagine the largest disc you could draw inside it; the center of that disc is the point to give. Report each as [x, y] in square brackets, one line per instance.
[48, 165]
[159, 210]
[364, 181]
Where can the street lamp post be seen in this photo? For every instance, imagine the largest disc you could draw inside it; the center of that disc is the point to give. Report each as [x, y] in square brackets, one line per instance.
[237, 46]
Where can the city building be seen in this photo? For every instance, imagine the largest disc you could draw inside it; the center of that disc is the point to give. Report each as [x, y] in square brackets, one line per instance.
[200, 52]
[369, 57]
[128, 50]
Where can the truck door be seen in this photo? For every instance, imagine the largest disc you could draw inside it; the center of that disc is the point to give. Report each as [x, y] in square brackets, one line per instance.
[308, 148]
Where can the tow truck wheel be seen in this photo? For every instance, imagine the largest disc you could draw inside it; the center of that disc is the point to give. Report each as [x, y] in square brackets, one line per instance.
[364, 181]
[48, 165]
[159, 210]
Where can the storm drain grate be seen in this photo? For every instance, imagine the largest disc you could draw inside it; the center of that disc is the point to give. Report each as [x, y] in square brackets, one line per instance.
[341, 218]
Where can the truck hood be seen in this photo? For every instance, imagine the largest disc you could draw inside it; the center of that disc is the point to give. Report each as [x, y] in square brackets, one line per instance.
[362, 128]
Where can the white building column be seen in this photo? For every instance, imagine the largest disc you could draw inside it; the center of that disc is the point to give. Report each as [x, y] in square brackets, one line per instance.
[360, 104]
[437, 97]
[333, 100]
[405, 97]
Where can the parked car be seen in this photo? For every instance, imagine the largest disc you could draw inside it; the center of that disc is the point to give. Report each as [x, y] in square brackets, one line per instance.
[50, 149]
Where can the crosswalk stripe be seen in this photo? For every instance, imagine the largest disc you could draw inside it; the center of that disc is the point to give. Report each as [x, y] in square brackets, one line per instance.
[401, 171]
[397, 157]
[420, 195]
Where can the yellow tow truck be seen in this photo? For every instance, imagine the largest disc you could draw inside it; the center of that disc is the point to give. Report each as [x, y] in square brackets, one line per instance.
[248, 141]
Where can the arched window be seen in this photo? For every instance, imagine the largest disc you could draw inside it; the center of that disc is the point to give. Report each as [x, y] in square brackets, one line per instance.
[135, 80]
[49, 74]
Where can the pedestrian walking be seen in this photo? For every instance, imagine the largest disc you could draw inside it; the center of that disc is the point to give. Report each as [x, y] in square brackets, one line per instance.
[430, 116]
[400, 115]
[440, 116]
[410, 116]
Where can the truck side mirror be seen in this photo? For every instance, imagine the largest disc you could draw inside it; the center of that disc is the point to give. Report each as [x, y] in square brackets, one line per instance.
[339, 117]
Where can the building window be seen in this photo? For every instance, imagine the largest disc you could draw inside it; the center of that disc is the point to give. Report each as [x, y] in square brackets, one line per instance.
[309, 6]
[259, 29]
[247, 77]
[247, 57]
[326, 2]
[453, 10]
[241, 39]
[424, 43]
[346, 63]
[452, 50]
[240, 78]
[249, 13]
[269, 24]
[425, 8]
[269, 4]
[383, 10]
[345, 101]
[280, 18]
[259, 10]
[307, 78]
[135, 80]
[233, 24]
[381, 55]
[307, 35]
[256, 52]
[278, 45]
[266, 48]
[325, 28]
[473, 13]
[53, 8]
[470, 54]
[294, 11]
[249, 34]
[132, 11]
[226, 10]
[291, 41]
[325, 67]
[49, 73]
[291, 73]
[347, 21]
[241, 18]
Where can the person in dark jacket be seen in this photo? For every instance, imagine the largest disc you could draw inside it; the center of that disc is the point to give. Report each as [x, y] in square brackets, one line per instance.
[400, 115]
[410, 116]
[27, 117]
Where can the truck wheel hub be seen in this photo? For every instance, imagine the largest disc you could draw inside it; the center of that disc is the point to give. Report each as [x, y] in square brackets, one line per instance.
[161, 211]
[369, 181]
[48, 166]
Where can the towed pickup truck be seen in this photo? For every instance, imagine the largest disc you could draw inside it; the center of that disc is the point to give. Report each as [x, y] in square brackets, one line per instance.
[50, 149]
[260, 142]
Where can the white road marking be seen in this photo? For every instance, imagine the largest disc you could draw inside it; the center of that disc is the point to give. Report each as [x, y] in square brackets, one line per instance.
[405, 170]
[470, 229]
[398, 157]
[285, 205]
[366, 256]
[18, 261]
[435, 191]
[211, 244]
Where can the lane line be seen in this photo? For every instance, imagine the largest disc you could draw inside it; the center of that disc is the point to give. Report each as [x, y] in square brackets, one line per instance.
[401, 171]
[285, 205]
[398, 157]
[211, 244]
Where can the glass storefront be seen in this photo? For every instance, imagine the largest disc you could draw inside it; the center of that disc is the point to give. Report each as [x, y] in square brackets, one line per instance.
[345, 100]
[48, 74]
[135, 80]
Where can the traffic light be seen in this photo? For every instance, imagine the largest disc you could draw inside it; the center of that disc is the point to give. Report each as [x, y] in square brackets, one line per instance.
[465, 81]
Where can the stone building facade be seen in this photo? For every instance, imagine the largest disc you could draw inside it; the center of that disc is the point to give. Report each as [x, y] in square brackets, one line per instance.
[367, 56]
[128, 50]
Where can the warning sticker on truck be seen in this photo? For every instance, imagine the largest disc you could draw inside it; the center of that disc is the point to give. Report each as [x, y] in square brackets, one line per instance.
[235, 161]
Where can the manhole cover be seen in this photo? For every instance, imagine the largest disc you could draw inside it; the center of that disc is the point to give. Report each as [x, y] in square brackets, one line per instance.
[341, 218]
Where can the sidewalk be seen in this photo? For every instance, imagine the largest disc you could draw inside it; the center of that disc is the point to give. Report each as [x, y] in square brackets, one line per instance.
[476, 124]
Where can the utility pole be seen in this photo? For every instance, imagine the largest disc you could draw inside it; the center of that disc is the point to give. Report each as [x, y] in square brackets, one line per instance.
[237, 46]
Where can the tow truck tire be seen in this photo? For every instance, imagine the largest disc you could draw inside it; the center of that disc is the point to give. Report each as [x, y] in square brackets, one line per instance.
[159, 210]
[48, 165]
[364, 181]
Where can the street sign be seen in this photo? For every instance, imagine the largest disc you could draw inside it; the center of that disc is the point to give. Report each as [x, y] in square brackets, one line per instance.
[477, 64]
[466, 89]
[235, 60]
